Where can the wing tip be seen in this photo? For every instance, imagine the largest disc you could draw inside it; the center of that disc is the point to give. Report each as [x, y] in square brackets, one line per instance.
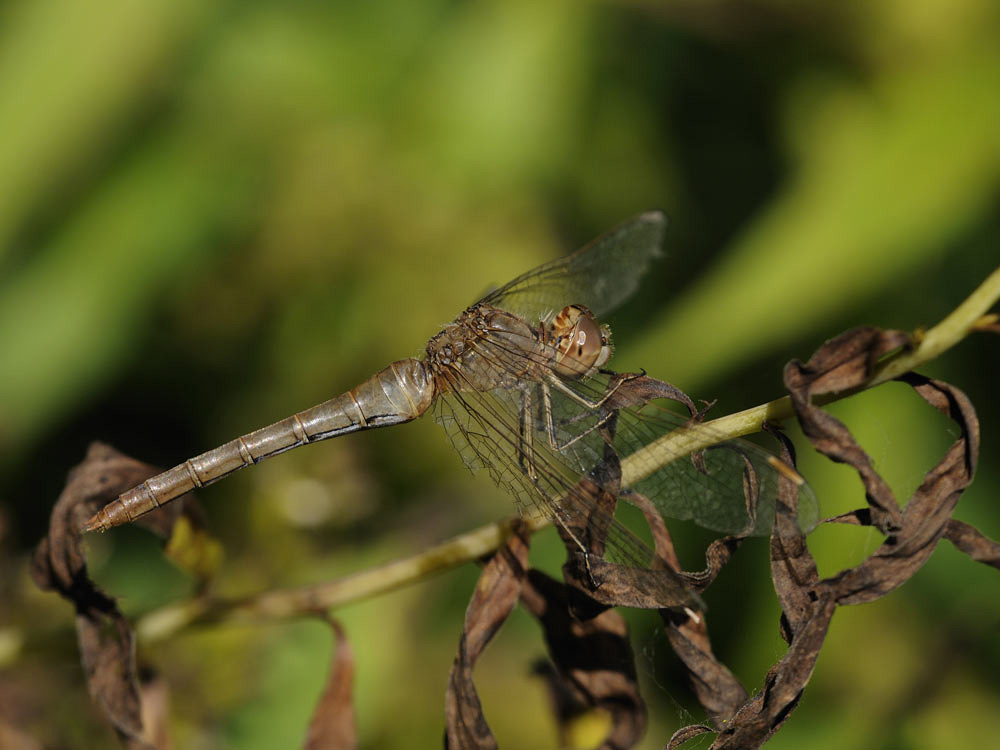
[656, 216]
[658, 221]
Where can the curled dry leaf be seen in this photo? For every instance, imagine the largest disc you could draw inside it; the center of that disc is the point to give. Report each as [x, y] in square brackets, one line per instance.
[808, 603]
[495, 596]
[592, 658]
[973, 542]
[107, 643]
[804, 625]
[841, 364]
[846, 363]
[689, 732]
[793, 569]
[155, 695]
[716, 687]
[760, 717]
[106, 640]
[584, 534]
[927, 513]
[333, 726]
[629, 390]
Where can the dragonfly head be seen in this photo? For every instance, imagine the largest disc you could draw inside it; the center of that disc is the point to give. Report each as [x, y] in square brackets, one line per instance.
[581, 344]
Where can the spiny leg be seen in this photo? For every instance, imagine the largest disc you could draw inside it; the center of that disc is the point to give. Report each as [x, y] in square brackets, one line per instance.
[550, 428]
[526, 462]
[526, 439]
[556, 382]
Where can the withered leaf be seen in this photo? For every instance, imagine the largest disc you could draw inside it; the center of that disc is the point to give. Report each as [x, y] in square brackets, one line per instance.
[927, 514]
[333, 726]
[768, 709]
[793, 569]
[495, 596]
[637, 389]
[155, 711]
[973, 542]
[841, 364]
[716, 688]
[684, 734]
[592, 657]
[807, 603]
[584, 534]
[106, 640]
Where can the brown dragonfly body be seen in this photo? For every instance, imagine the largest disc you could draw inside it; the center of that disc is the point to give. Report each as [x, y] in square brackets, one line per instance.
[461, 357]
[517, 381]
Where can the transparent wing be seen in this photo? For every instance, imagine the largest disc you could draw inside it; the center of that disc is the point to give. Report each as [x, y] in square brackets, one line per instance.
[537, 442]
[601, 275]
[504, 431]
[709, 490]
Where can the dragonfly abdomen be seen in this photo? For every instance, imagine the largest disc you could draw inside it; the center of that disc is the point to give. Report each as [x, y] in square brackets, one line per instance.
[402, 391]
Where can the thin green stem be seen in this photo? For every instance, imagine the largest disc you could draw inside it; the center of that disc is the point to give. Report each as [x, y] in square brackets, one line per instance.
[281, 604]
[962, 320]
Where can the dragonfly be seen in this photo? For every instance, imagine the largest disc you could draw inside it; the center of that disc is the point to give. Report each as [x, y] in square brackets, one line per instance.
[519, 383]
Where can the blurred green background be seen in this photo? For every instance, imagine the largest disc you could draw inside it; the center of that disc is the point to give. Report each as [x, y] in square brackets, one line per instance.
[213, 214]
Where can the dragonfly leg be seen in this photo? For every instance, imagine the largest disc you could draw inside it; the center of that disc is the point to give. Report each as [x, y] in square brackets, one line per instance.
[550, 428]
[526, 461]
[526, 437]
[567, 529]
[556, 382]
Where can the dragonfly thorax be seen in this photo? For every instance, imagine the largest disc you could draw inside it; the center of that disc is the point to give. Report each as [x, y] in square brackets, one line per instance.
[485, 348]
[582, 346]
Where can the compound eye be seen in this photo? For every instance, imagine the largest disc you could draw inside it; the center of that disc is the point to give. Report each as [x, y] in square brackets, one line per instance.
[581, 344]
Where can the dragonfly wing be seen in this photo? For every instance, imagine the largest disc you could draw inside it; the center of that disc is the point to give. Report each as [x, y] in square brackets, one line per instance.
[601, 275]
[486, 430]
[506, 431]
[713, 490]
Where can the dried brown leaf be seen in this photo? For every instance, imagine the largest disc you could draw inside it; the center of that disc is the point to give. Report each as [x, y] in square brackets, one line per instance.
[593, 657]
[760, 717]
[663, 544]
[629, 390]
[973, 542]
[495, 596]
[333, 726]
[793, 569]
[927, 514]
[107, 643]
[716, 688]
[807, 603]
[106, 640]
[684, 734]
[155, 711]
[841, 364]
[584, 535]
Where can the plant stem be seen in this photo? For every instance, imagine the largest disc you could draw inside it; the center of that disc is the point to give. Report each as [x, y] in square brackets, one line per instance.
[284, 603]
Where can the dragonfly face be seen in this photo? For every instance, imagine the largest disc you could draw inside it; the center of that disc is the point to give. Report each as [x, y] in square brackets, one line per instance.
[582, 345]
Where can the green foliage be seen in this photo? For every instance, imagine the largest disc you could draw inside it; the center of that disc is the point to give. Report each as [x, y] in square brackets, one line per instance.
[215, 214]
